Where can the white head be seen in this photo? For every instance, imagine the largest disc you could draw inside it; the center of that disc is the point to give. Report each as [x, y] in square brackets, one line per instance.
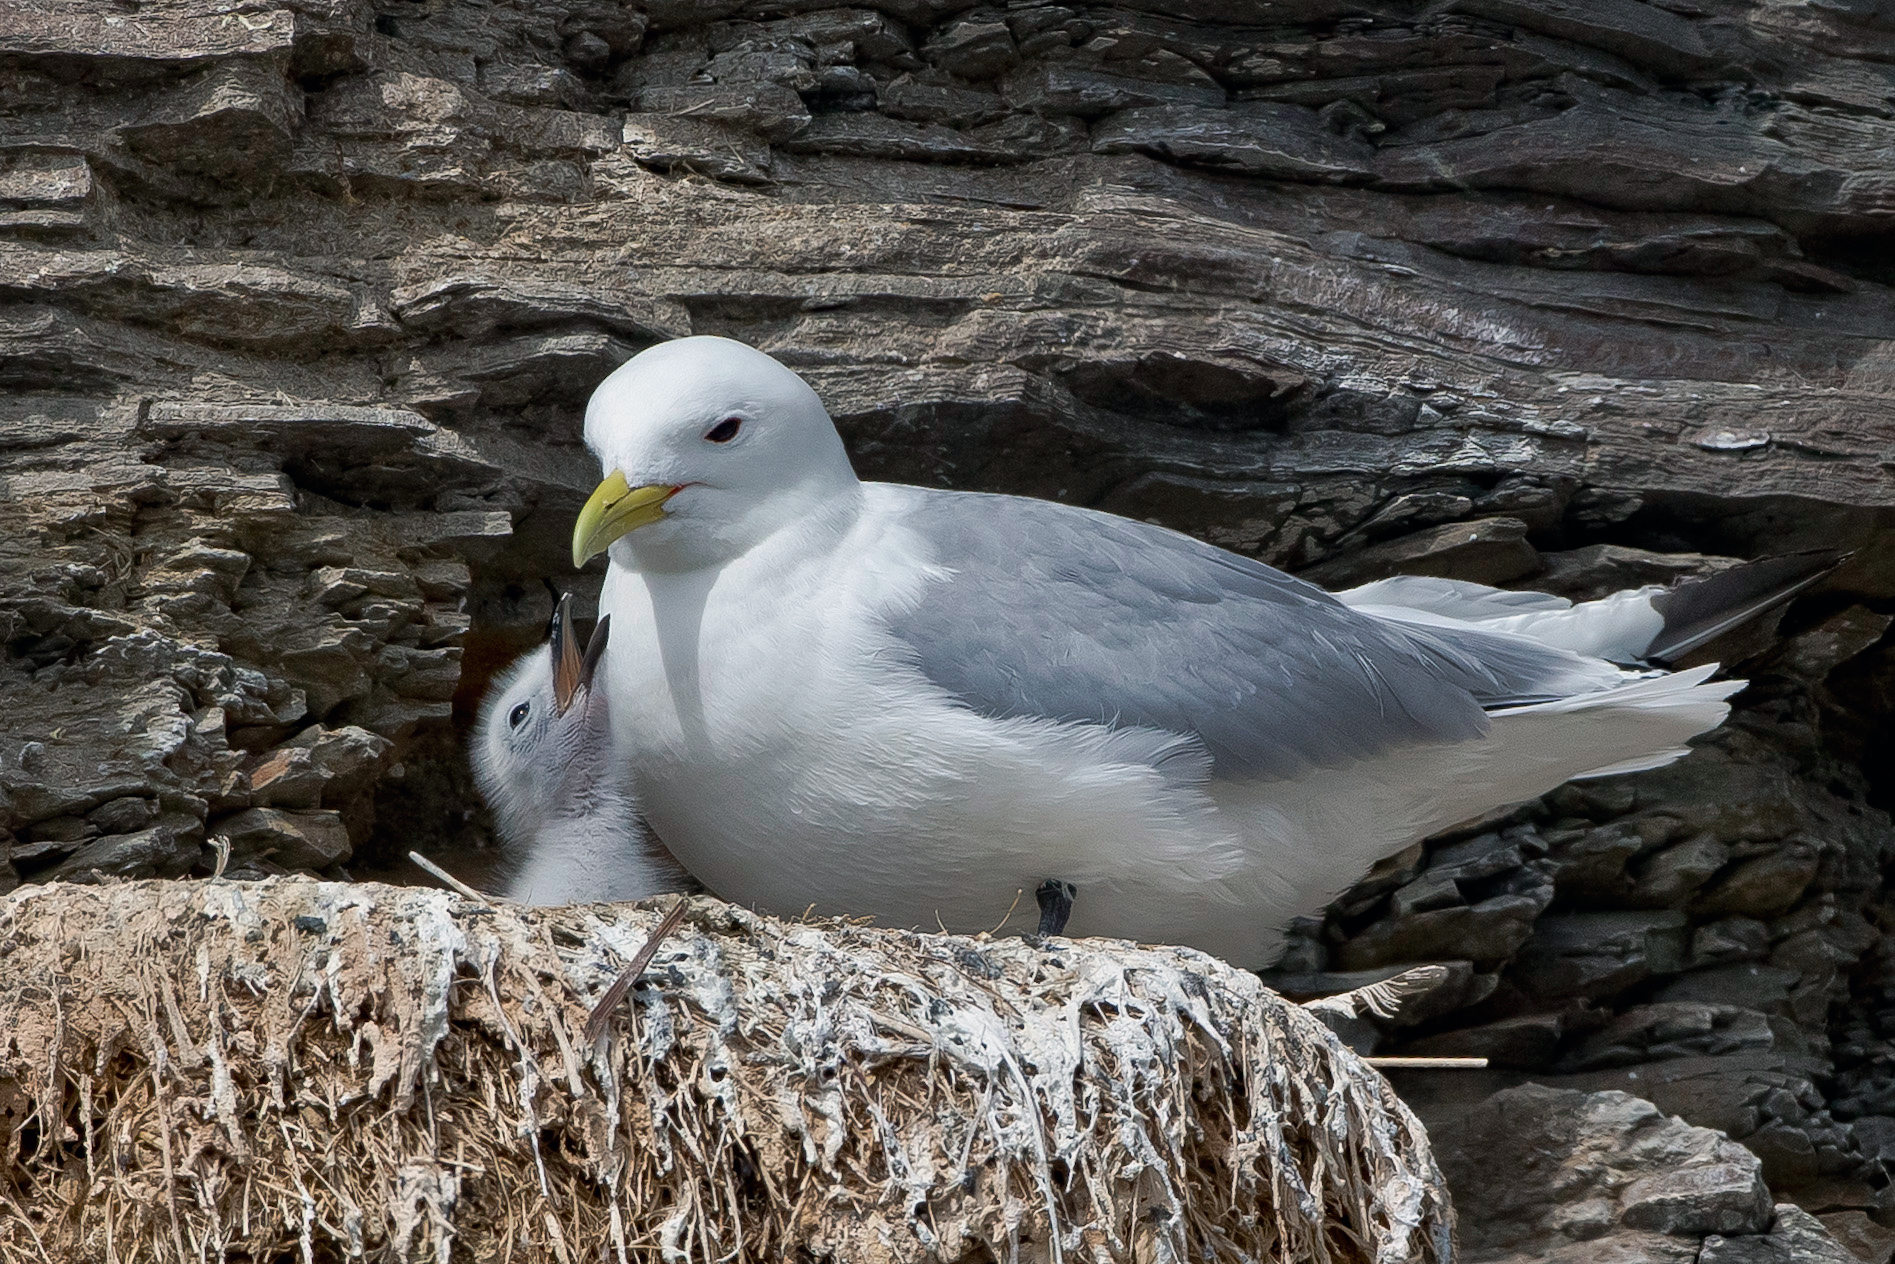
[709, 447]
[543, 759]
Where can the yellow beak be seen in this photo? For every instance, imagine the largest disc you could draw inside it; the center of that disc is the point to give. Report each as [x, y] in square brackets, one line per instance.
[615, 508]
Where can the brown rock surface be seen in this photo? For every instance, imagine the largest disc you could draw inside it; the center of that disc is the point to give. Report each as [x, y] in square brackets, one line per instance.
[302, 302]
[1606, 1176]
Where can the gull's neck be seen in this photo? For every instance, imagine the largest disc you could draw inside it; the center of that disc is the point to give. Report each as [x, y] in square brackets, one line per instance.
[799, 521]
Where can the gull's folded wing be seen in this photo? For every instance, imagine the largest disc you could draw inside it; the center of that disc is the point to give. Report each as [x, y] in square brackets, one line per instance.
[1048, 611]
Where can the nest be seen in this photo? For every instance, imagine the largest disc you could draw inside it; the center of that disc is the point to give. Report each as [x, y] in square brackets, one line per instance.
[308, 1071]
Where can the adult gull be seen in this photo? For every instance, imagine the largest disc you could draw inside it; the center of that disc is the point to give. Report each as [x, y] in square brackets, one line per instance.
[916, 704]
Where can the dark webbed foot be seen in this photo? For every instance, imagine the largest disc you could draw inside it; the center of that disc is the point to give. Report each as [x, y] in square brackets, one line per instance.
[1056, 905]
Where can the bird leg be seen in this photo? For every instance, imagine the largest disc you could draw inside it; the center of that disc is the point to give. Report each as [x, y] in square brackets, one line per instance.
[1056, 905]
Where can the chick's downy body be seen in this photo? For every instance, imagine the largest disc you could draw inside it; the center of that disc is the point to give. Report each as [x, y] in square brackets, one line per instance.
[566, 808]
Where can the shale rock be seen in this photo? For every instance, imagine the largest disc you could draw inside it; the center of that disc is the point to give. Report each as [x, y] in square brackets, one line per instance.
[1610, 1177]
[1796, 1238]
[300, 305]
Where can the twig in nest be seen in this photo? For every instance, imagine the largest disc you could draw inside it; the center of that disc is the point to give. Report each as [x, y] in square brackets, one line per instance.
[452, 881]
[1431, 1064]
[1003, 921]
[602, 1012]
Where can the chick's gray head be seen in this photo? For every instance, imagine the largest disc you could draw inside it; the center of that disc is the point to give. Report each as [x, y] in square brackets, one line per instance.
[538, 726]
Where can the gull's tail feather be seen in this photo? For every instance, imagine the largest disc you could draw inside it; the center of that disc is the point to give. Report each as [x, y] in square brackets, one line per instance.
[1657, 715]
[1642, 724]
[1370, 810]
[1638, 625]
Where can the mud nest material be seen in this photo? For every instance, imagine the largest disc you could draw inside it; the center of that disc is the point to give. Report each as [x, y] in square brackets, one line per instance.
[307, 1071]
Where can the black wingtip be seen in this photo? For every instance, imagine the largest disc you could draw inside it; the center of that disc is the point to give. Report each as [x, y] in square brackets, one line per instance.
[1703, 609]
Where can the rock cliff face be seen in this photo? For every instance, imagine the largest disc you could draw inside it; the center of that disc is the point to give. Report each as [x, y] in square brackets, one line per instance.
[1609, 1177]
[303, 299]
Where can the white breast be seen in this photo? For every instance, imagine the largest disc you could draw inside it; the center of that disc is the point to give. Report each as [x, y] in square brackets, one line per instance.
[789, 755]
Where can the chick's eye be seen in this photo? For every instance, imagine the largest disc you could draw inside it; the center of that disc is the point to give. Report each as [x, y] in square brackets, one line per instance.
[517, 716]
[725, 430]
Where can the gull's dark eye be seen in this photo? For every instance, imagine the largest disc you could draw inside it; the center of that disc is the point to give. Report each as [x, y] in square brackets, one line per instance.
[517, 716]
[725, 430]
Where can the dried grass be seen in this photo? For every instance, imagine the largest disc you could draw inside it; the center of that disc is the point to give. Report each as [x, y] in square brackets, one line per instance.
[303, 1071]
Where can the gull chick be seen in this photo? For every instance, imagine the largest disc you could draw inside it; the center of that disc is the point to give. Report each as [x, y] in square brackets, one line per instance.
[566, 808]
[915, 703]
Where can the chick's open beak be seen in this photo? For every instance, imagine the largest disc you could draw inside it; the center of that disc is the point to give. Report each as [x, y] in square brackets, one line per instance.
[572, 671]
[568, 665]
[615, 508]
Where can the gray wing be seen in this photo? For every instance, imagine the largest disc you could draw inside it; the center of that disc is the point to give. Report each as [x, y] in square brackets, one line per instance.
[1054, 612]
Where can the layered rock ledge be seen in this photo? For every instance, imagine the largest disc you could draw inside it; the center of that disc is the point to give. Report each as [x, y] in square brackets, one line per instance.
[302, 301]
